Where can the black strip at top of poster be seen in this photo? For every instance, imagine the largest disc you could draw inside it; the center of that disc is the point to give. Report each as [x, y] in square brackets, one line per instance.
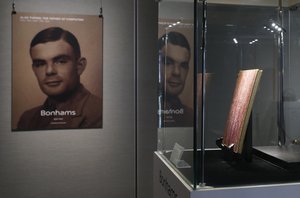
[15, 12]
[13, 8]
[101, 10]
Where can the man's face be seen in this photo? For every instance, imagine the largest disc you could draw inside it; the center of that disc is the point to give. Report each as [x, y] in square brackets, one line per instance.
[55, 67]
[175, 66]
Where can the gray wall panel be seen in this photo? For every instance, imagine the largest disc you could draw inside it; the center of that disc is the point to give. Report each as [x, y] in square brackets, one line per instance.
[74, 163]
[147, 95]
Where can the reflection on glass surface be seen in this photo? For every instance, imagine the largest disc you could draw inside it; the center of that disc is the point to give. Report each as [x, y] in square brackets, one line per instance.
[246, 37]
[175, 88]
[240, 35]
[174, 65]
[255, 47]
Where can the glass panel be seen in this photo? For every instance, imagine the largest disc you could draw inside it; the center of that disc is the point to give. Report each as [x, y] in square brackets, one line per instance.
[202, 82]
[291, 75]
[242, 36]
[175, 108]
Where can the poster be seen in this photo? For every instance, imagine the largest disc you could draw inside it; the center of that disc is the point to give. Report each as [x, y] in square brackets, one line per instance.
[175, 45]
[57, 80]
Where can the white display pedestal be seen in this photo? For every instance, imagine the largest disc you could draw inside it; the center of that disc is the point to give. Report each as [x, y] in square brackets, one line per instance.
[169, 184]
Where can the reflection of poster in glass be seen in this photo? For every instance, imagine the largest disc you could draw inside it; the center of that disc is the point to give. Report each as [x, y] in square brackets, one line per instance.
[56, 71]
[175, 45]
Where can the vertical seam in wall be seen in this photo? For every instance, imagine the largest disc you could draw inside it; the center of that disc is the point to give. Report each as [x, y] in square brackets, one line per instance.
[135, 98]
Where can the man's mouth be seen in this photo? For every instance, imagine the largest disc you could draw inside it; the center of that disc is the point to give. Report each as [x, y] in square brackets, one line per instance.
[174, 83]
[53, 83]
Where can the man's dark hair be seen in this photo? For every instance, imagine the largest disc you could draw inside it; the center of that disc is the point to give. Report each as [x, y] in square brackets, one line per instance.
[55, 34]
[174, 38]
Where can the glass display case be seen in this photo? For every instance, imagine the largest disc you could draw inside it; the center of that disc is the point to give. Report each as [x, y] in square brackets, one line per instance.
[229, 110]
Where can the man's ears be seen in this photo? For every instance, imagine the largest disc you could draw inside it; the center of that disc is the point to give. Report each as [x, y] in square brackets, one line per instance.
[81, 64]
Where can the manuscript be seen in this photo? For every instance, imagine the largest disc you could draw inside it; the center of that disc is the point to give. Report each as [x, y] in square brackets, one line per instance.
[240, 110]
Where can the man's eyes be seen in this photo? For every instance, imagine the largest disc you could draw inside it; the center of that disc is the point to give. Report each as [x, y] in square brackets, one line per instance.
[38, 63]
[60, 61]
[184, 65]
[169, 61]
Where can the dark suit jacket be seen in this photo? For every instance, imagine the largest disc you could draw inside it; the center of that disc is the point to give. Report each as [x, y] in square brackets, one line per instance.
[81, 110]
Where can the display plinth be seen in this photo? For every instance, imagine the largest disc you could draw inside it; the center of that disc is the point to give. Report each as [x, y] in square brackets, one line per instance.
[287, 157]
[169, 183]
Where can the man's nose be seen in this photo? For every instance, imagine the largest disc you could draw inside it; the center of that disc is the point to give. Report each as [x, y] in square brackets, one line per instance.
[50, 69]
[176, 69]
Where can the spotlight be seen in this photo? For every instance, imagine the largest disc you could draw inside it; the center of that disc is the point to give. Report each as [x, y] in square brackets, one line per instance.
[235, 41]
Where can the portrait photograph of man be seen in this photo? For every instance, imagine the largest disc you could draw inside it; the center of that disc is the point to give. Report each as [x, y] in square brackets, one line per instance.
[175, 76]
[57, 72]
